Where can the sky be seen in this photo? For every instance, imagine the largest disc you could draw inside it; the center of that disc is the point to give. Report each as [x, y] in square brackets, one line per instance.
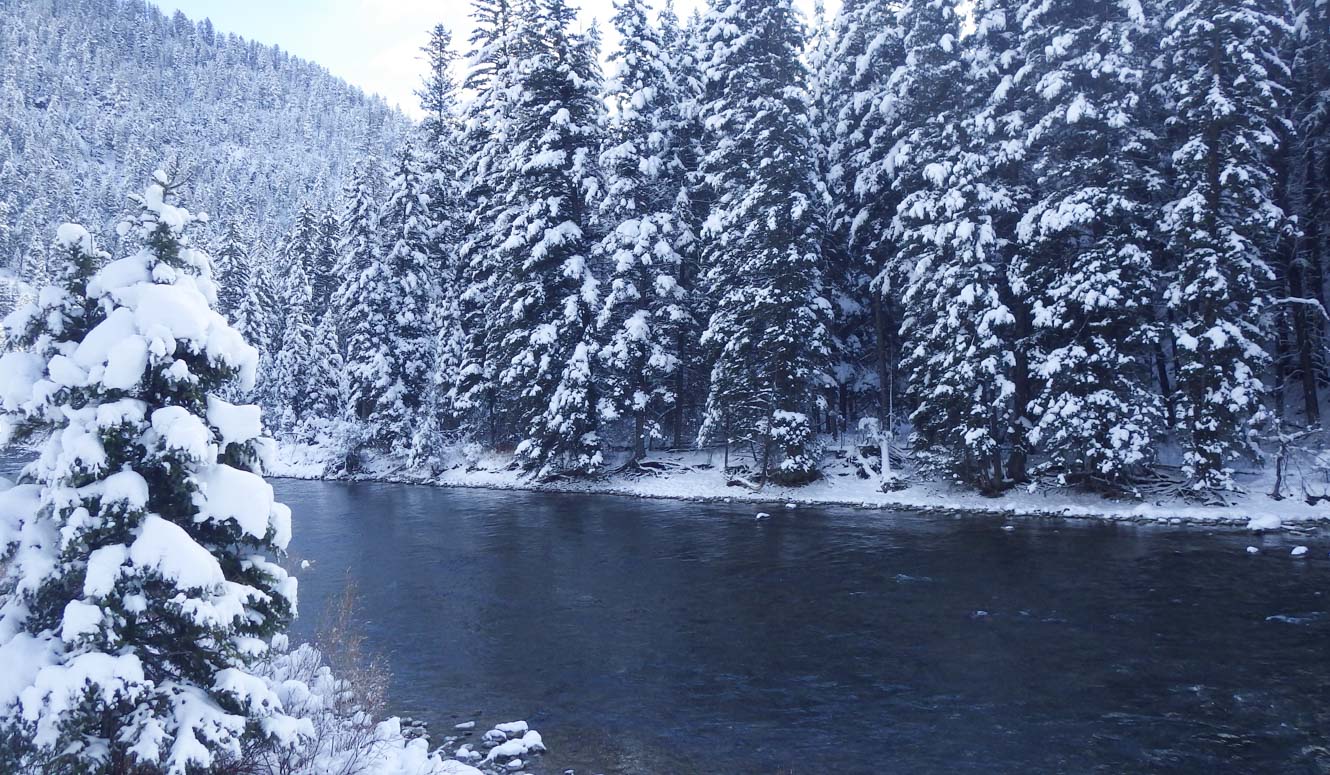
[374, 44]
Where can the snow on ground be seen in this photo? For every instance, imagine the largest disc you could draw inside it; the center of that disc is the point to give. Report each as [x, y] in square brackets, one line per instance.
[697, 476]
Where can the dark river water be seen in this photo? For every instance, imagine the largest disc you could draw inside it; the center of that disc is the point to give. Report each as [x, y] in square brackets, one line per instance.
[648, 636]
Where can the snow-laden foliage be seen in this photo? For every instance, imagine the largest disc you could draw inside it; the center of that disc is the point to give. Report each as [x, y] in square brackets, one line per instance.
[292, 362]
[486, 142]
[441, 162]
[141, 584]
[767, 333]
[646, 314]
[954, 263]
[1075, 243]
[545, 297]
[388, 315]
[1225, 88]
[1087, 240]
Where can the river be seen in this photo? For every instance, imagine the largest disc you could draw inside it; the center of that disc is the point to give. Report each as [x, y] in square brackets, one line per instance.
[644, 636]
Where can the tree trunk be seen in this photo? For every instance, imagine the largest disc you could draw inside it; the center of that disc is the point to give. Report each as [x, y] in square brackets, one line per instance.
[1165, 388]
[639, 436]
[883, 373]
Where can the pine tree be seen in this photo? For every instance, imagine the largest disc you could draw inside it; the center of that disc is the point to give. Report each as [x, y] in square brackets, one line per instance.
[438, 93]
[137, 628]
[645, 313]
[1305, 177]
[865, 50]
[683, 48]
[292, 357]
[250, 317]
[389, 344]
[1224, 88]
[442, 163]
[326, 380]
[767, 331]
[233, 271]
[262, 318]
[545, 295]
[487, 143]
[302, 244]
[954, 224]
[323, 276]
[1083, 79]
[358, 228]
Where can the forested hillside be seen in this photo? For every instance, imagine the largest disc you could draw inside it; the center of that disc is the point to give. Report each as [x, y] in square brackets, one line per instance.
[1075, 243]
[96, 94]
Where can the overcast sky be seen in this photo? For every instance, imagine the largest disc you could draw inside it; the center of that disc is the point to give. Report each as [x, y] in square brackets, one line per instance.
[374, 44]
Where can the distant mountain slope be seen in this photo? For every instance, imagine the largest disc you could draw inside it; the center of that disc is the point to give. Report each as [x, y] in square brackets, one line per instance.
[95, 94]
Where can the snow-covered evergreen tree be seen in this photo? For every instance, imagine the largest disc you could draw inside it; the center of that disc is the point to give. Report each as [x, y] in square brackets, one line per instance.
[358, 229]
[683, 47]
[1306, 179]
[326, 380]
[441, 162]
[390, 339]
[292, 362]
[487, 143]
[143, 585]
[767, 331]
[438, 94]
[323, 255]
[303, 244]
[953, 148]
[545, 297]
[864, 50]
[61, 315]
[1083, 82]
[250, 317]
[233, 271]
[1224, 87]
[645, 315]
[263, 324]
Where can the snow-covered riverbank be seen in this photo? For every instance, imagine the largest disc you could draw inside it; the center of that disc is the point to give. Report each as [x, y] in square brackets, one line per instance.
[694, 476]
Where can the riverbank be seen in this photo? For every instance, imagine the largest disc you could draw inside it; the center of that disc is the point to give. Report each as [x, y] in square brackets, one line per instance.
[696, 477]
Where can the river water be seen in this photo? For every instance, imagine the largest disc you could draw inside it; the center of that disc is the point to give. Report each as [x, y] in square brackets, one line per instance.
[645, 636]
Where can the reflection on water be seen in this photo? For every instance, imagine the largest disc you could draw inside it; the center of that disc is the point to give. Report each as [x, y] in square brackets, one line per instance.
[659, 637]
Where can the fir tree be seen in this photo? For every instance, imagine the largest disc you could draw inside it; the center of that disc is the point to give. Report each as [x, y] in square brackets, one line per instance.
[138, 626]
[865, 50]
[953, 218]
[326, 380]
[303, 245]
[262, 319]
[52, 327]
[545, 295]
[442, 163]
[1224, 87]
[1083, 80]
[682, 49]
[438, 93]
[359, 243]
[389, 343]
[487, 143]
[292, 358]
[323, 275]
[767, 331]
[645, 313]
[233, 271]
[250, 317]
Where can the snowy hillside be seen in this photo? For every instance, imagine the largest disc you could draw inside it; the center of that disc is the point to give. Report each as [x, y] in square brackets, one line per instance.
[96, 94]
